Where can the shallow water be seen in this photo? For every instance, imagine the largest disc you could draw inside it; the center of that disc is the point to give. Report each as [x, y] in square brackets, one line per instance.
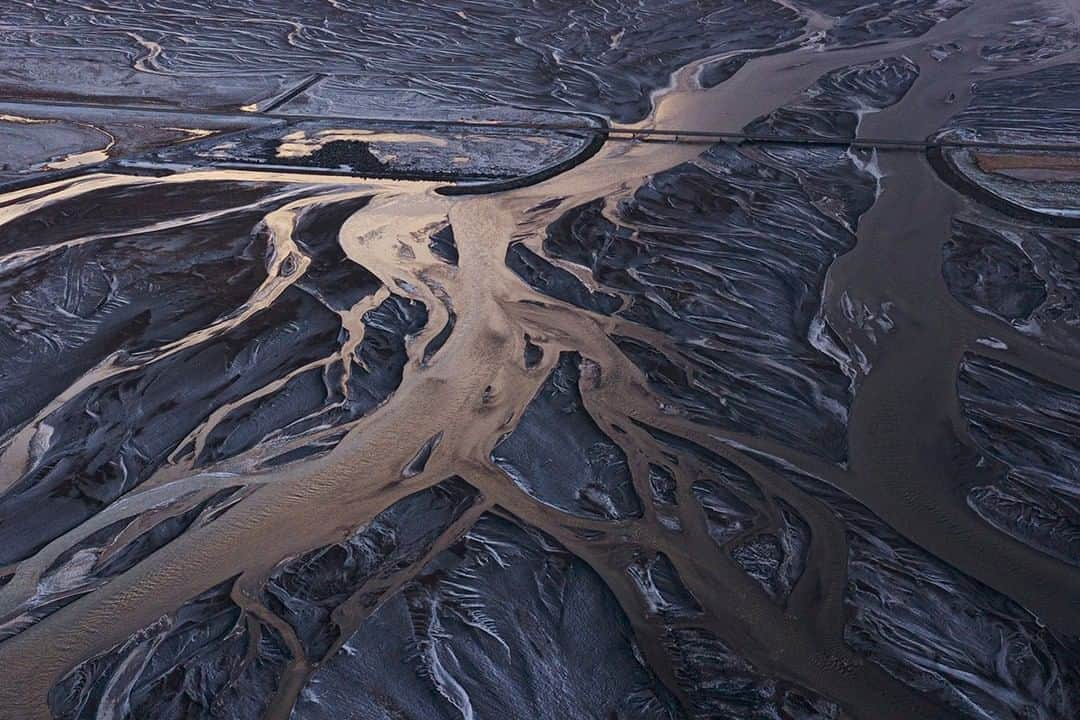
[761, 430]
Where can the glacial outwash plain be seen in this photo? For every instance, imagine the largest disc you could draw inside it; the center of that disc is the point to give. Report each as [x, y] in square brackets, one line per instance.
[539, 360]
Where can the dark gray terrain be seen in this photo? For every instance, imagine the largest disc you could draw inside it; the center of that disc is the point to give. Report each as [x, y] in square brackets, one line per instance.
[484, 359]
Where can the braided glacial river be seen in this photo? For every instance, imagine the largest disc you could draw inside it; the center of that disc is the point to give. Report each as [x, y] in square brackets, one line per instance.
[732, 430]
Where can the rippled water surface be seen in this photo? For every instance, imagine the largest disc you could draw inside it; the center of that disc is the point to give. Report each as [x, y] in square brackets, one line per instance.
[492, 359]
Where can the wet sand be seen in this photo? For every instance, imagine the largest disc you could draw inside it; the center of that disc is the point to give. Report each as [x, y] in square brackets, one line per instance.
[758, 430]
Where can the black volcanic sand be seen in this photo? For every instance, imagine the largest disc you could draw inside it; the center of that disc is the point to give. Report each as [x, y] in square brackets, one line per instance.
[133, 292]
[770, 224]
[117, 210]
[1034, 108]
[941, 632]
[110, 551]
[374, 150]
[305, 591]
[209, 659]
[65, 140]
[1028, 277]
[112, 436]
[730, 431]
[30, 145]
[559, 456]
[504, 622]
[555, 54]
[1028, 427]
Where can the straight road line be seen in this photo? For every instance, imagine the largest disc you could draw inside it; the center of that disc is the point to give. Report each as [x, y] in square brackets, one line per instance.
[678, 136]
